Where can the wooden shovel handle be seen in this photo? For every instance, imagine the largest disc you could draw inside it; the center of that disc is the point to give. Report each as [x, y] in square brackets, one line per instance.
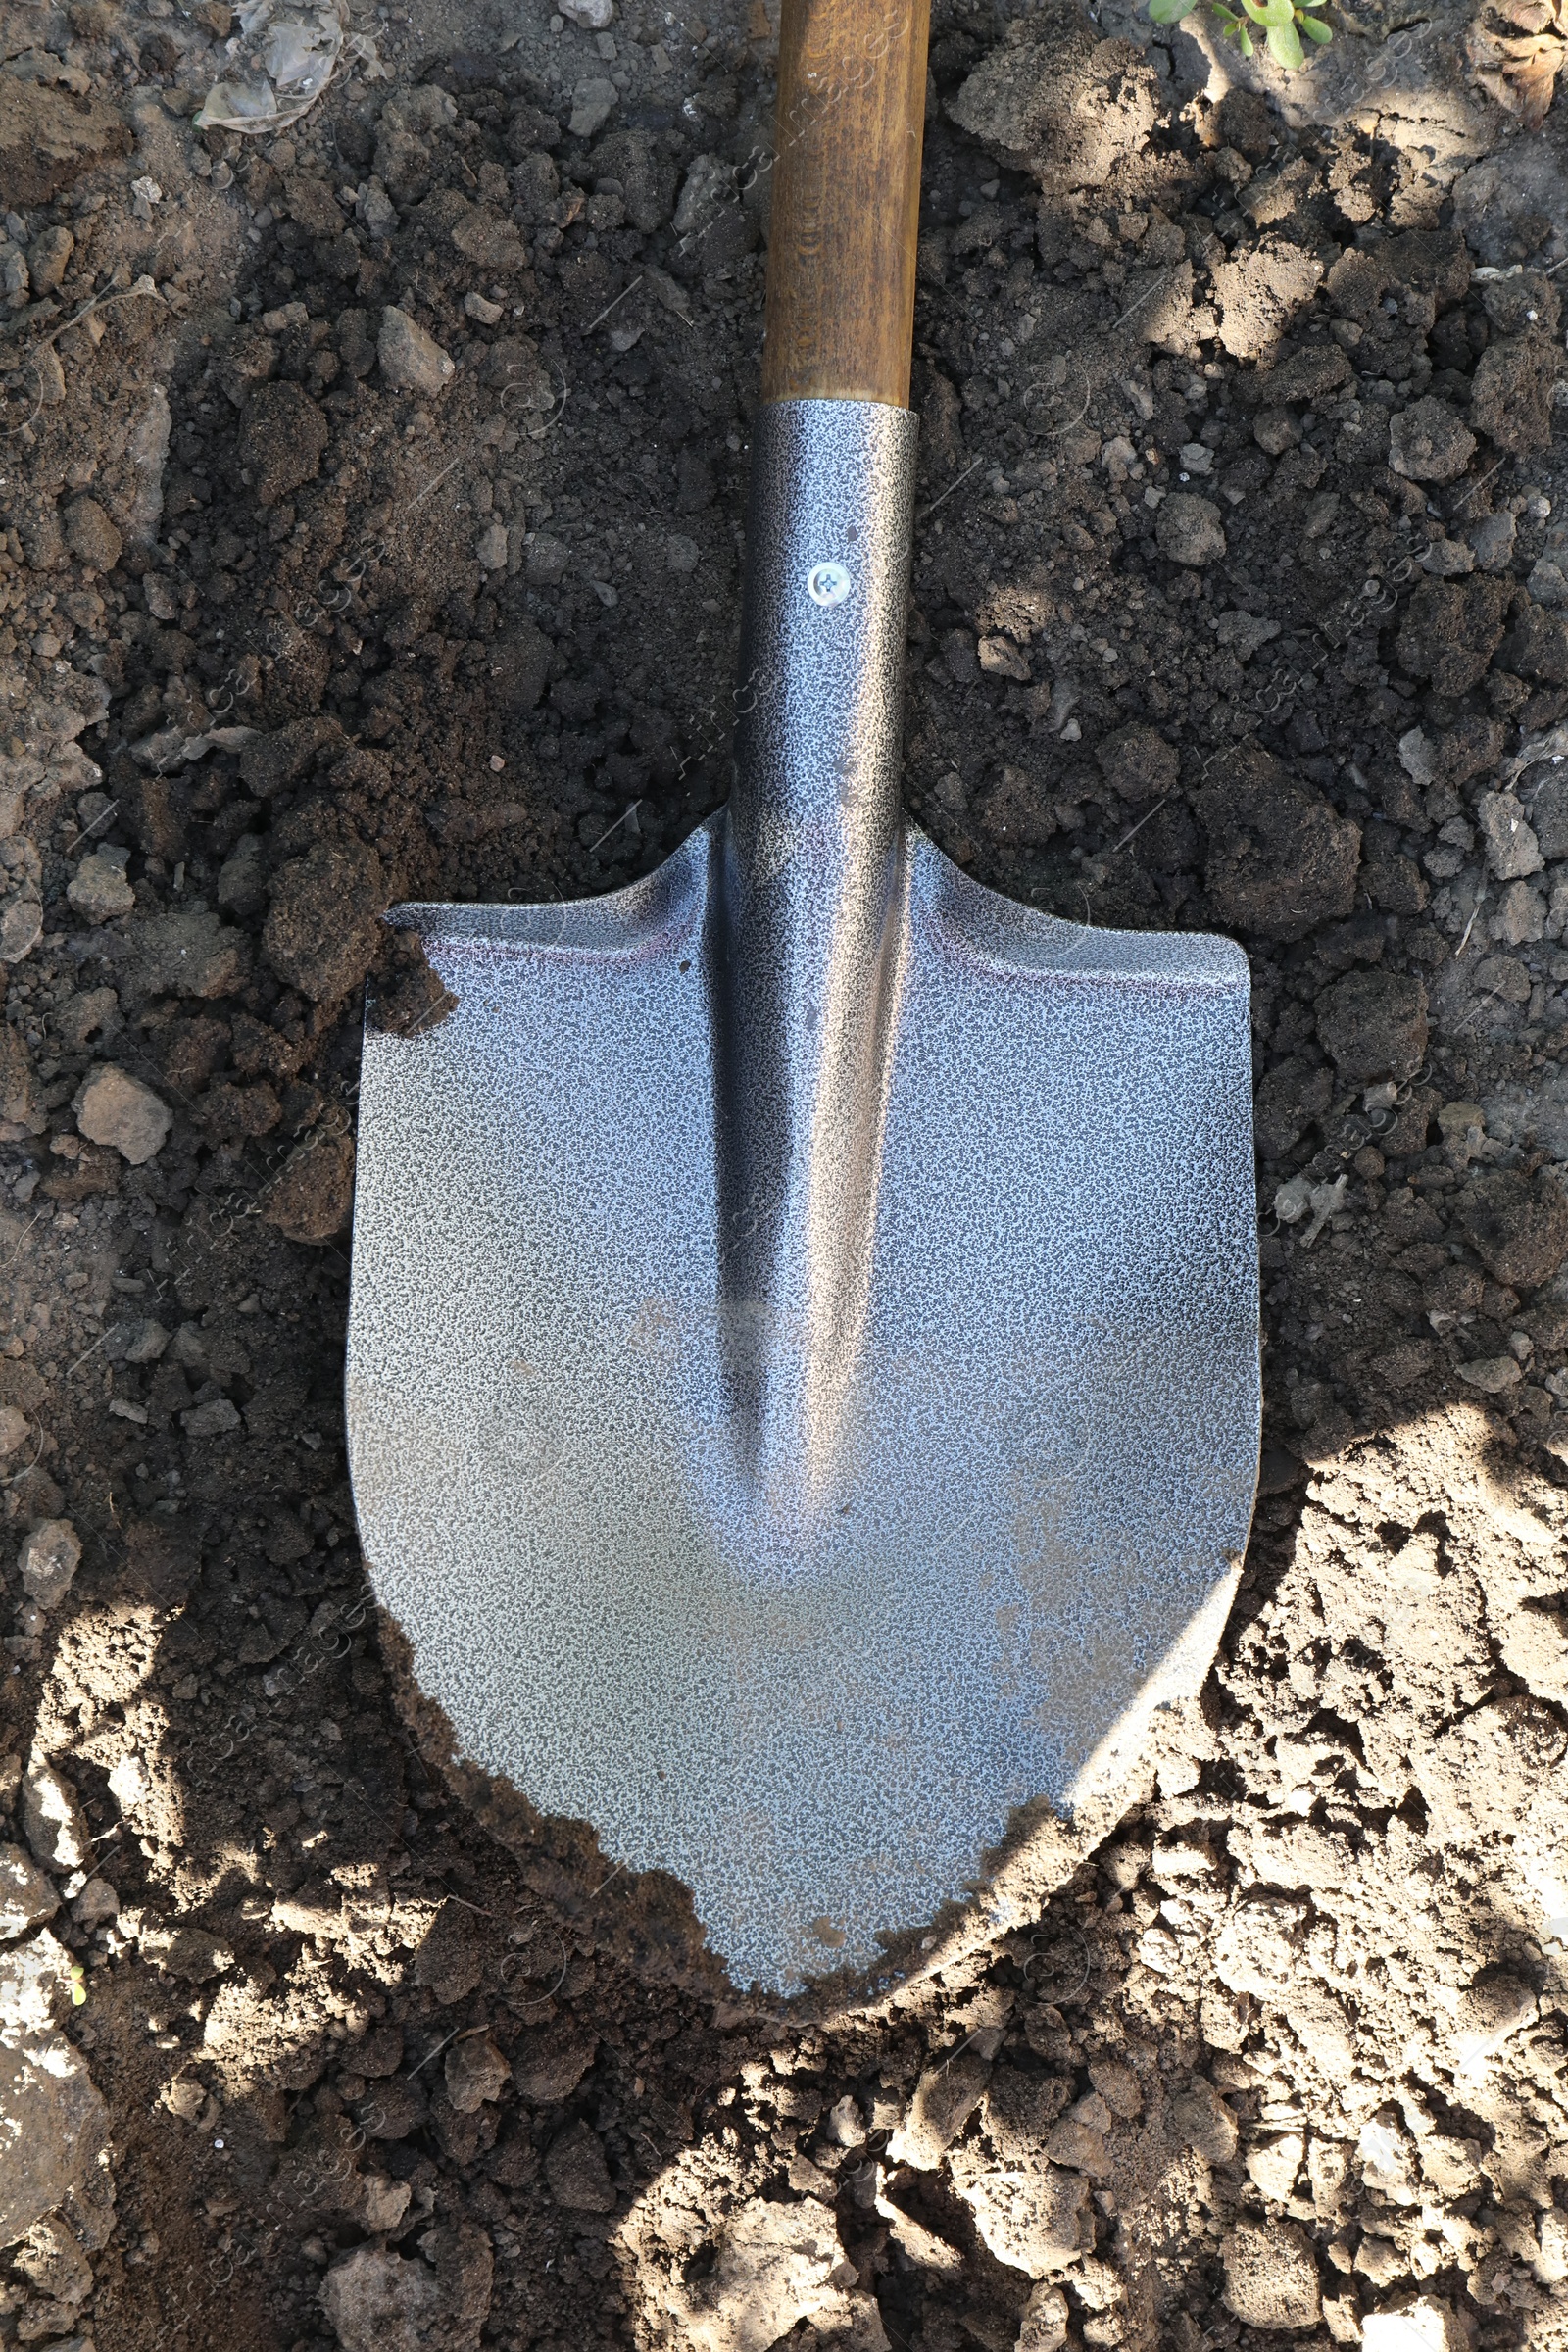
[846, 199]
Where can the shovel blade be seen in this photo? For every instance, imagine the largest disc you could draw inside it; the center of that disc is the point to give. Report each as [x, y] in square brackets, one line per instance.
[814, 1691]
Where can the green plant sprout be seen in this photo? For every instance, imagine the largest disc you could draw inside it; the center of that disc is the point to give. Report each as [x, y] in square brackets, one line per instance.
[1281, 21]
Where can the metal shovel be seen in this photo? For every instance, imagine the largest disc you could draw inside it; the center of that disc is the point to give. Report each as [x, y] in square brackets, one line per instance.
[803, 1376]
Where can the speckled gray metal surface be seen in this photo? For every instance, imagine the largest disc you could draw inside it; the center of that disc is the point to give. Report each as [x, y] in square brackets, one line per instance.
[803, 1364]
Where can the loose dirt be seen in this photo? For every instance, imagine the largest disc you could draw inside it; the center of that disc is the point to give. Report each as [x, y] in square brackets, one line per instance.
[372, 503]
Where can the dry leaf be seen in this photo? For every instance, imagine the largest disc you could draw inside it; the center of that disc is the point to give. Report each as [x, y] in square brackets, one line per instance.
[1516, 49]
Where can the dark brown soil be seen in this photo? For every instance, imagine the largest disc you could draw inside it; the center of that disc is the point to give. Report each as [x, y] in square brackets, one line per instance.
[1184, 651]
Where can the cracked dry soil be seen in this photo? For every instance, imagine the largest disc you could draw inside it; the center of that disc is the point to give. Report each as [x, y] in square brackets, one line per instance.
[372, 507]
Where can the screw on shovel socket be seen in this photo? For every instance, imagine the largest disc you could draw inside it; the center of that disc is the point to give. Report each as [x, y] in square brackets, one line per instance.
[828, 584]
